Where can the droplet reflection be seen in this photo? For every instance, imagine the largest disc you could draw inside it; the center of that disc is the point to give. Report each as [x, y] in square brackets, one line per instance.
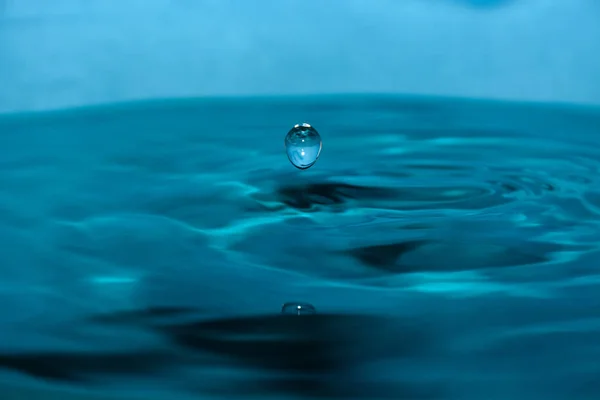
[303, 146]
[298, 309]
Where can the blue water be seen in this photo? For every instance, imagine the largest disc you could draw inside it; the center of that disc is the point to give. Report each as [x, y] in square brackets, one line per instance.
[449, 246]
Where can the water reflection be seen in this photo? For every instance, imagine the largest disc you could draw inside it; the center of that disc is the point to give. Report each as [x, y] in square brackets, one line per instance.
[446, 252]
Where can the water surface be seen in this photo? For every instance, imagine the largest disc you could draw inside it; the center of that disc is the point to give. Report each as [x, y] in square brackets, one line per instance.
[449, 246]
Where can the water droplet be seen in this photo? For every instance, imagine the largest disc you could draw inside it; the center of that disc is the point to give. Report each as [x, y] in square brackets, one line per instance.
[298, 309]
[303, 146]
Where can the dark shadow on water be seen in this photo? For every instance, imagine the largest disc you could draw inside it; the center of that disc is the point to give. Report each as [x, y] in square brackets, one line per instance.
[449, 256]
[85, 367]
[333, 196]
[312, 196]
[307, 356]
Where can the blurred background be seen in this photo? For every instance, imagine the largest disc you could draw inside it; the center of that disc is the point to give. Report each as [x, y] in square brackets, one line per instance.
[62, 53]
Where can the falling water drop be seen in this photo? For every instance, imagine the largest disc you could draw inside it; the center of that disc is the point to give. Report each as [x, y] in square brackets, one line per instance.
[298, 309]
[303, 146]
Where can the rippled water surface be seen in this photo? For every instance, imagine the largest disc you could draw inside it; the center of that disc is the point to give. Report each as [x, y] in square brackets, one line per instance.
[449, 247]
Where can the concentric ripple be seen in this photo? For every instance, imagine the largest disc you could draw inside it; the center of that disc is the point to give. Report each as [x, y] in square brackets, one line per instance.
[159, 246]
[479, 202]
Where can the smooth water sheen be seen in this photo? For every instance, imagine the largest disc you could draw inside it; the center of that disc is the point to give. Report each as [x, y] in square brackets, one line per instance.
[449, 247]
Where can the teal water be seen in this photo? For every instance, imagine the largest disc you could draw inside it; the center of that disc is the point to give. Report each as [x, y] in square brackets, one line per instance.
[450, 248]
